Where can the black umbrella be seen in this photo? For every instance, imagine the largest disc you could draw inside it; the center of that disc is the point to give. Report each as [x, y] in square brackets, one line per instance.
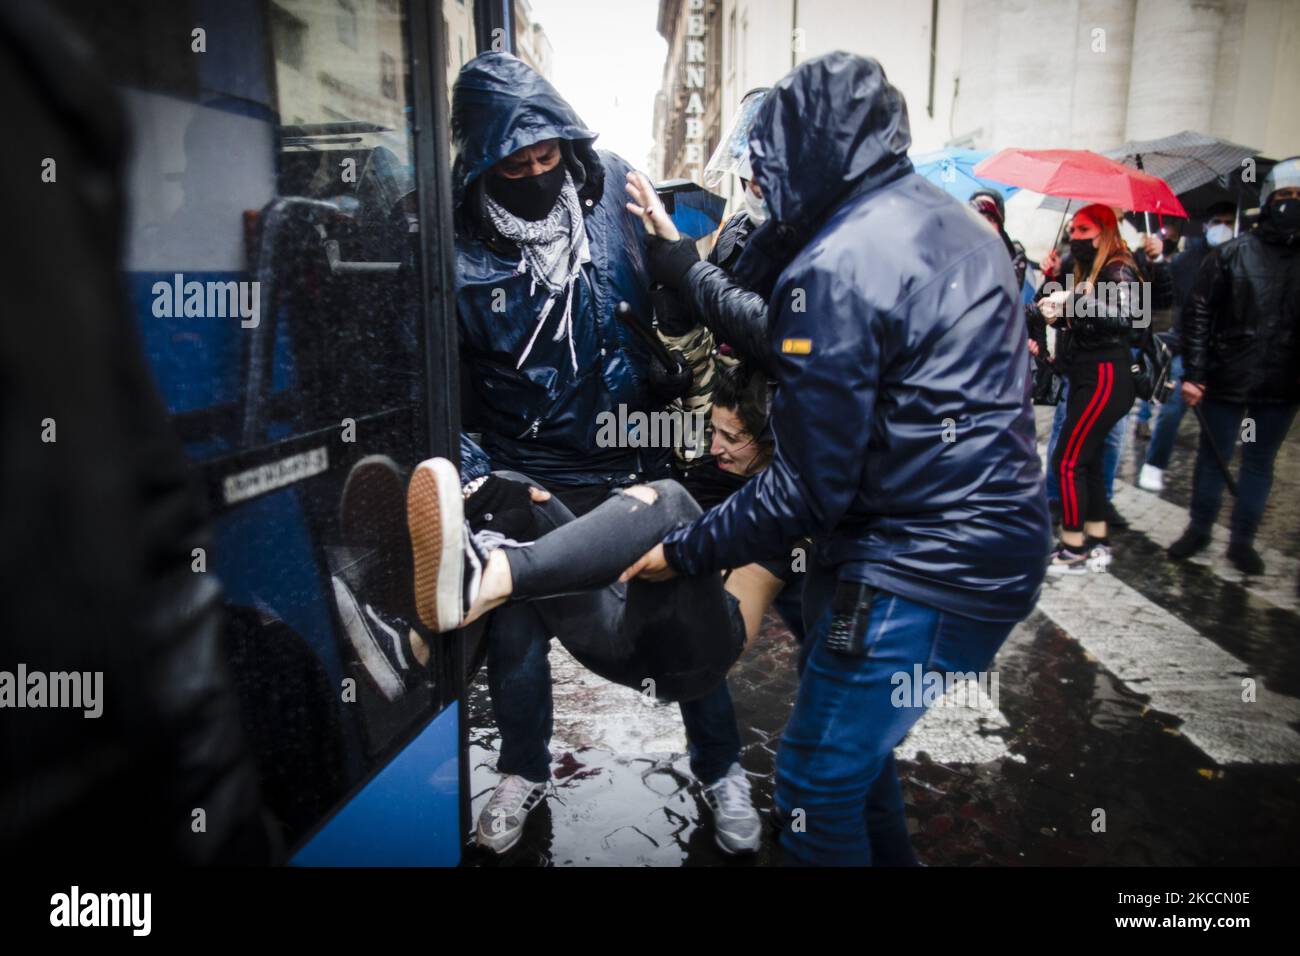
[1186, 161]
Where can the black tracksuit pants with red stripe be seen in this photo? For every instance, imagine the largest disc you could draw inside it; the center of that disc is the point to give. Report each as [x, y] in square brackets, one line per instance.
[1101, 393]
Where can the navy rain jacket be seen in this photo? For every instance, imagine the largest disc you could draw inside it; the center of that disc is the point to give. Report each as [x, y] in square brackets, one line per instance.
[905, 436]
[542, 419]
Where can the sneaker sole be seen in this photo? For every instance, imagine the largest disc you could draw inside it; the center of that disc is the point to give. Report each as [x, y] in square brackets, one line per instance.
[435, 518]
[370, 508]
[733, 851]
[501, 850]
[376, 664]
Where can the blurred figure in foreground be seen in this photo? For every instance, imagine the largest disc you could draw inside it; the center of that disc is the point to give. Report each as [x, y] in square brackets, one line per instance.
[99, 519]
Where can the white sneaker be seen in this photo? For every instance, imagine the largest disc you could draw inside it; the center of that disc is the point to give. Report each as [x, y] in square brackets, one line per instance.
[1151, 478]
[1100, 557]
[736, 824]
[501, 823]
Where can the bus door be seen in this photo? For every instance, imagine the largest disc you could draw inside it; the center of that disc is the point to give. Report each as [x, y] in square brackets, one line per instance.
[288, 263]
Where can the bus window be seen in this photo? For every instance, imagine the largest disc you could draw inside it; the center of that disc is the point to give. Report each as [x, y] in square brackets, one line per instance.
[274, 267]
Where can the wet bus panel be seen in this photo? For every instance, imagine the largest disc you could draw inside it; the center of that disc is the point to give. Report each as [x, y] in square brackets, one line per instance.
[274, 265]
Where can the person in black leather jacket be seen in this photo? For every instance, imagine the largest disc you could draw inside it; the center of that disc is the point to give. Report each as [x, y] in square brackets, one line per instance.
[734, 313]
[1241, 361]
[1098, 308]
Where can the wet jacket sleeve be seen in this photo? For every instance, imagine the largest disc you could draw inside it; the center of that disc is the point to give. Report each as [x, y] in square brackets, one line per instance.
[1208, 295]
[474, 462]
[1162, 285]
[733, 313]
[827, 381]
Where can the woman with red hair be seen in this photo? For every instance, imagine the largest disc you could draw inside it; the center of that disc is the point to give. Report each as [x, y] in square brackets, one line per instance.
[1094, 315]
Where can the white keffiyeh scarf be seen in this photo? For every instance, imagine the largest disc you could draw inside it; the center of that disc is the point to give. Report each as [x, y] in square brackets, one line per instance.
[554, 250]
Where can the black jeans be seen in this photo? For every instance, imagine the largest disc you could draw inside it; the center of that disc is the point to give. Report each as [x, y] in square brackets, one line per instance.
[676, 639]
[1101, 393]
[625, 633]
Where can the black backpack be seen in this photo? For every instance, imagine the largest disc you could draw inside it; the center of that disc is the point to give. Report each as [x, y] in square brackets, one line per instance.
[1152, 359]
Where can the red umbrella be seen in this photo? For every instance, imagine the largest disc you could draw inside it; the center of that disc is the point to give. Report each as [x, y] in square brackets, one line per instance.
[1083, 175]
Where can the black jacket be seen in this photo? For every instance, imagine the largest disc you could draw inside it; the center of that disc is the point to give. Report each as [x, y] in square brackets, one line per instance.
[1183, 269]
[99, 524]
[1241, 329]
[904, 435]
[734, 314]
[1106, 318]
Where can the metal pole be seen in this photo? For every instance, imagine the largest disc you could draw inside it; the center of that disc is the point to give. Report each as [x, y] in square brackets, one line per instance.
[1146, 215]
[1215, 450]
[494, 26]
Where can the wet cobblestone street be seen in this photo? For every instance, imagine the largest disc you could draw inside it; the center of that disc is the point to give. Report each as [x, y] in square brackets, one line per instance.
[1120, 692]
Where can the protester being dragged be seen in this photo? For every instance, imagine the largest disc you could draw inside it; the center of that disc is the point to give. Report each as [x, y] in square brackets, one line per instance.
[676, 641]
[1241, 352]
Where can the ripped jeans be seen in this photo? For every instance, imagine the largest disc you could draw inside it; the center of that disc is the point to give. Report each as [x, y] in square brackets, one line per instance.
[676, 639]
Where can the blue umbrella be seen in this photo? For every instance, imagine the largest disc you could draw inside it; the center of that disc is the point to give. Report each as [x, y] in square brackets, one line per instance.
[694, 210]
[953, 171]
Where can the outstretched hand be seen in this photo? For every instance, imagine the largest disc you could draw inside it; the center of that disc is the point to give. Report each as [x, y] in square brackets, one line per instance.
[646, 205]
[651, 566]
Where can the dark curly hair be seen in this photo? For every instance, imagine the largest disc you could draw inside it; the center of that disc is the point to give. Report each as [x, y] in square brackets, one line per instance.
[745, 392]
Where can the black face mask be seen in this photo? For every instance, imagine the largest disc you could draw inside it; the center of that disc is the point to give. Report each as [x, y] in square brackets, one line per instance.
[1284, 214]
[1083, 251]
[529, 197]
[1170, 246]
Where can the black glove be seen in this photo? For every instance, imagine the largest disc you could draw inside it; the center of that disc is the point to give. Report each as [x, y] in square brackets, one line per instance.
[500, 504]
[673, 317]
[670, 261]
[666, 384]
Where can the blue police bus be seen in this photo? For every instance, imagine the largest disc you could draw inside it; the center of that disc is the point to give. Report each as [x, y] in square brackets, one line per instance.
[289, 263]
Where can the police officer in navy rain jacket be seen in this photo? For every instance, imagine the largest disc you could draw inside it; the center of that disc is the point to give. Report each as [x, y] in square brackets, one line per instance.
[904, 444]
[545, 251]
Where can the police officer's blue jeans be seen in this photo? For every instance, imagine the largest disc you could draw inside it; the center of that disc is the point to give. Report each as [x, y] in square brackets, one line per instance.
[838, 797]
[1110, 462]
[1165, 432]
[519, 681]
[1272, 421]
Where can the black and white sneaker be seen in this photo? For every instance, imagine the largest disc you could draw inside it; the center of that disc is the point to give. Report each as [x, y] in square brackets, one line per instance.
[1065, 560]
[448, 567]
[380, 641]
